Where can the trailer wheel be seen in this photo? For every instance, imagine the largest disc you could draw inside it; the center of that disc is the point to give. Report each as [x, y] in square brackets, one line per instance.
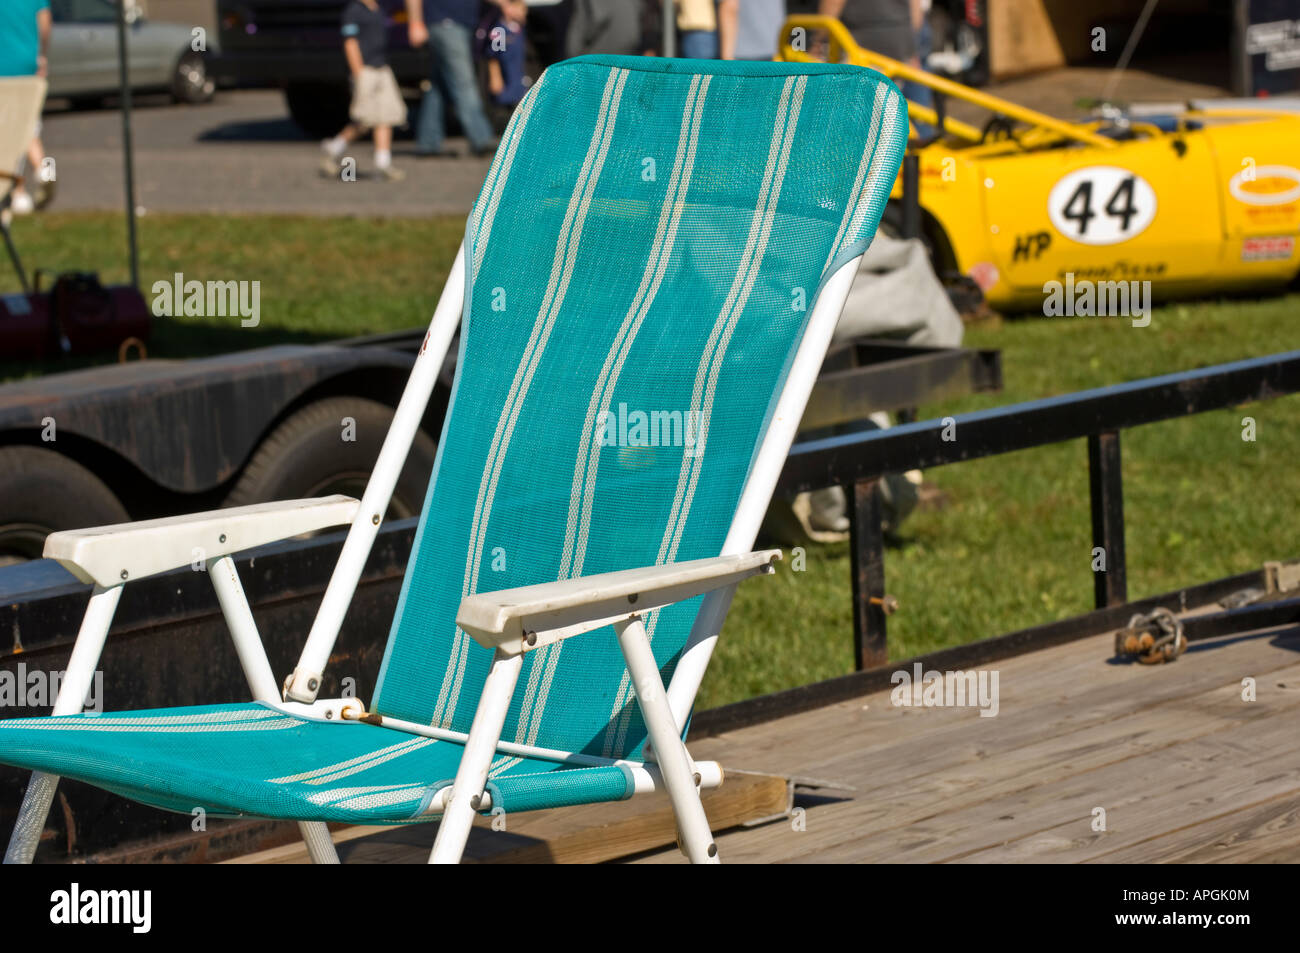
[42, 492]
[309, 454]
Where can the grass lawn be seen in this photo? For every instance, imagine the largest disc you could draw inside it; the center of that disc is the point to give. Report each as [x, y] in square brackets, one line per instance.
[1012, 548]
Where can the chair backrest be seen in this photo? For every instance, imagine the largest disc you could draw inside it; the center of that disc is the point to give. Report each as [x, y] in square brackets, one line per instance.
[21, 99]
[641, 264]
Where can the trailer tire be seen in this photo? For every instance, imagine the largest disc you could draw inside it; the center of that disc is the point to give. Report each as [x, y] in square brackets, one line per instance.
[42, 492]
[306, 455]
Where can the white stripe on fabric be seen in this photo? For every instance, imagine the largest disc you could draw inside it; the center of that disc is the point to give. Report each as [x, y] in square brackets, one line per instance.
[354, 765]
[858, 194]
[372, 801]
[204, 718]
[711, 361]
[878, 169]
[561, 273]
[94, 724]
[348, 797]
[583, 489]
[481, 226]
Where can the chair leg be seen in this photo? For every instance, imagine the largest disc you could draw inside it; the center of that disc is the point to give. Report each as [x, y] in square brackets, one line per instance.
[670, 752]
[316, 835]
[471, 776]
[261, 680]
[72, 696]
[31, 818]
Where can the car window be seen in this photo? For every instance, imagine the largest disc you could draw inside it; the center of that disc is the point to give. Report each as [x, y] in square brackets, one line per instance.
[83, 11]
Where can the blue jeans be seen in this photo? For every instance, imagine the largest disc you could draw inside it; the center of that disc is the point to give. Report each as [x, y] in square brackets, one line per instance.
[453, 78]
[917, 93]
[698, 45]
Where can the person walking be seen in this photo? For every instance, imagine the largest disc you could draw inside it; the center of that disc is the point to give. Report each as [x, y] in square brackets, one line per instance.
[448, 27]
[501, 45]
[24, 40]
[758, 29]
[377, 102]
[697, 30]
[606, 26]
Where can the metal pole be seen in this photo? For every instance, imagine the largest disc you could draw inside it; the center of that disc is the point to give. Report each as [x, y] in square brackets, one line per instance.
[867, 565]
[127, 151]
[669, 43]
[1110, 585]
[911, 196]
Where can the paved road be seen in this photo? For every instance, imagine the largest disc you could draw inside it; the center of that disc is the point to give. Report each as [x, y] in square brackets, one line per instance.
[240, 153]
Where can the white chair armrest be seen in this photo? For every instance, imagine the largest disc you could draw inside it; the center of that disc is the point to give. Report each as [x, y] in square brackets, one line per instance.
[111, 555]
[515, 621]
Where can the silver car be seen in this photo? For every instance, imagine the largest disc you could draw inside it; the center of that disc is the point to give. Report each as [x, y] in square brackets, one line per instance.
[83, 62]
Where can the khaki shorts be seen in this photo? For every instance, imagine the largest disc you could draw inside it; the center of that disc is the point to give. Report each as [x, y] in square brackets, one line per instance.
[376, 98]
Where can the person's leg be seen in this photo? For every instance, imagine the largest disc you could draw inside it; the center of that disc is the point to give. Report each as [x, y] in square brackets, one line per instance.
[429, 125]
[384, 154]
[699, 44]
[919, 93]
[451, 45]
[331, 163]
[349, 134]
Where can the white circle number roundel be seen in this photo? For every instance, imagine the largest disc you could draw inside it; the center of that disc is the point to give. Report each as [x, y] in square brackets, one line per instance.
[1101, 205]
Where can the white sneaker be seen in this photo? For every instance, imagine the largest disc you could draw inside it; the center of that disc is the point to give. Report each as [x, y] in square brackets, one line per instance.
[21, 203]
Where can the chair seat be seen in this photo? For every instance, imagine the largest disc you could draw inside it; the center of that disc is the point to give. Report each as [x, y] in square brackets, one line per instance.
[254, 760]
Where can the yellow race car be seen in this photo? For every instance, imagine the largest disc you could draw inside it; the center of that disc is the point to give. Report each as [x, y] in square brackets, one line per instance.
[1193, 200]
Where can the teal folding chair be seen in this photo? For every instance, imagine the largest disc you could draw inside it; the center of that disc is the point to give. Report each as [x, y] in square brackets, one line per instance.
[648, 283]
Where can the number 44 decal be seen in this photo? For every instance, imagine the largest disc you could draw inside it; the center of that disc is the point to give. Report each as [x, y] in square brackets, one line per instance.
[1101, 205]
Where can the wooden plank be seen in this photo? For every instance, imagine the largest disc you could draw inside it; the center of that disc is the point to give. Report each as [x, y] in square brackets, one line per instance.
[609, 831]
[879, 748]
[1262, 833]
[1114, 722]
[589, 834]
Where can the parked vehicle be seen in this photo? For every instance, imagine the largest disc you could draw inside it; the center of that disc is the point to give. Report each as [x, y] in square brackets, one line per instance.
[83, 59]
[295, 44]
[1196, 200]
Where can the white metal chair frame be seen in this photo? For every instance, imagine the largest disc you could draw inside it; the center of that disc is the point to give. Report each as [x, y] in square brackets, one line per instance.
[551, 611]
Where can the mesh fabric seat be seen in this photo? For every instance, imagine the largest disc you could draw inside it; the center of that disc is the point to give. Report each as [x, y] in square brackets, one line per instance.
[255, 760]
[641, 265]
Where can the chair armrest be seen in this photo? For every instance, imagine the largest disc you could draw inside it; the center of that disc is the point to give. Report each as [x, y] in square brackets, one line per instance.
[110, 555]
[515, 621]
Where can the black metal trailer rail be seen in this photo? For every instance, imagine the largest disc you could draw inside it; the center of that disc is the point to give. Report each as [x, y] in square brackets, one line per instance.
[858, 461]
